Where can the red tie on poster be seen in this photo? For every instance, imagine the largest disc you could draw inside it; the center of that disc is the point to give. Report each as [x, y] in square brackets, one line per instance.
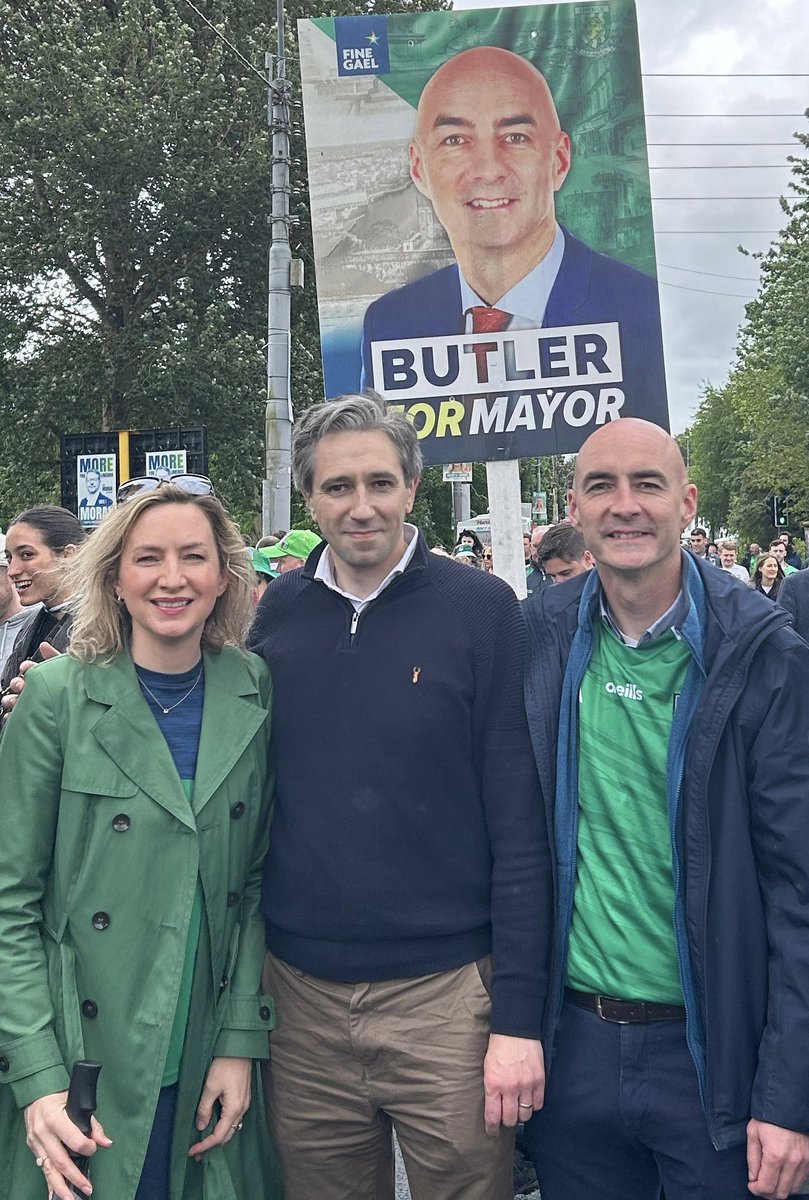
[488, 320]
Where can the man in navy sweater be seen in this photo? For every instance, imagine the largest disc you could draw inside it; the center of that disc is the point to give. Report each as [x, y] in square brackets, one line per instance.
[407, 890]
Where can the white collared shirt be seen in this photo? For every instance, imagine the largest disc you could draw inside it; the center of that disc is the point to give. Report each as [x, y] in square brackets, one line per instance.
[528, 299]
[325, 570]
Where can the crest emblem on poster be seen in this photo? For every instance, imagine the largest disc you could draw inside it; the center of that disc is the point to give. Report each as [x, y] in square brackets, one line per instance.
[594, 27]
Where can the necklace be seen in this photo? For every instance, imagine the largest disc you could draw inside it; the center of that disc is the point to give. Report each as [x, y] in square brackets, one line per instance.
[160, 704]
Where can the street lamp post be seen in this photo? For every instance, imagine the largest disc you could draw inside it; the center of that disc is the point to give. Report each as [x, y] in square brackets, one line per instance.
[277, 483]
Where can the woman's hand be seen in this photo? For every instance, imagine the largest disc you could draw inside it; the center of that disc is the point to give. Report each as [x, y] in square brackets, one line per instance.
[228, 1081]
[51, 1135]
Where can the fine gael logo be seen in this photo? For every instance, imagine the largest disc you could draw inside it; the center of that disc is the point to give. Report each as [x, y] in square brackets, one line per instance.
[362, 45]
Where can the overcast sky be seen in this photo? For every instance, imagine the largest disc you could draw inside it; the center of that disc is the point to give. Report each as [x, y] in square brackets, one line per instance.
[702, 37]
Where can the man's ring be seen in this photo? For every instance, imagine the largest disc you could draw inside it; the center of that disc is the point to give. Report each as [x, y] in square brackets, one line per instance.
[42, 1161]
[521, 1105]
[238, 1127]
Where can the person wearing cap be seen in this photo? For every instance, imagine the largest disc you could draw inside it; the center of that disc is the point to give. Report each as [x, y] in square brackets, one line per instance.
[466, 555]
[264, 569]
[293, 549]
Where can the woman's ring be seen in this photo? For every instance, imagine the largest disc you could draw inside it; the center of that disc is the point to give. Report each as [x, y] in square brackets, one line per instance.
[42, 1161]
[521, 1105]
[238, 1127]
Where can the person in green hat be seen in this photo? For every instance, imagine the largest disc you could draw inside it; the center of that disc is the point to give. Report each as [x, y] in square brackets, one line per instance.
[293, 549]
[264, 569]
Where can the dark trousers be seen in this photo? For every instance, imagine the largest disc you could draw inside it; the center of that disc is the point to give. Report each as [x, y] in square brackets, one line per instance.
[623, 1117]
[154, 1178]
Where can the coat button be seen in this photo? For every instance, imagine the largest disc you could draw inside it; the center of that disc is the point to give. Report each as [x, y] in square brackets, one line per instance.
[223, 983]
[233, 899]
[3, 1063]
[264, 1013]
[237, 810]
[90, 1009]
[121, 823]
[101, 920]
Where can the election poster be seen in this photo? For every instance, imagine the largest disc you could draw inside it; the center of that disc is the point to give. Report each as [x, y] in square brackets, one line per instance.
[457, 472]
[165, 464]
[95, 487]
[482, 222]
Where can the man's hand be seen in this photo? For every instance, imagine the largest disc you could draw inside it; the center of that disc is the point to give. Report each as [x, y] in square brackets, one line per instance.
[777, 1160]
[228, 1082]
[16, 685]
[513, 1080]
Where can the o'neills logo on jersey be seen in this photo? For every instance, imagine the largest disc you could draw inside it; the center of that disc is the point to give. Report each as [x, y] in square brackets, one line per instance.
[629, 691]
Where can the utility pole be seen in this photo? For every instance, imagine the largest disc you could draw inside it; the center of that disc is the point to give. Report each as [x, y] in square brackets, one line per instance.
[277, 483]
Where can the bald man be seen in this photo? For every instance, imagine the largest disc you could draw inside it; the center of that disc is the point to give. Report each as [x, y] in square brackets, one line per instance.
[674, 700]
[490, 155]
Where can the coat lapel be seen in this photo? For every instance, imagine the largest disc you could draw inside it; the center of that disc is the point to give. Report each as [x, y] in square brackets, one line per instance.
[126, 730]
[230, 718]
[232, 715]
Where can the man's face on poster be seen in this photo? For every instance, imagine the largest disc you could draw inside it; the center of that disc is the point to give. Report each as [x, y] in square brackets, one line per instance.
[489, 153]
[92, 482]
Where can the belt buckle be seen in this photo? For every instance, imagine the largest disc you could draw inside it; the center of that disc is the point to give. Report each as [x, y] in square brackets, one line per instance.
[604, 1017]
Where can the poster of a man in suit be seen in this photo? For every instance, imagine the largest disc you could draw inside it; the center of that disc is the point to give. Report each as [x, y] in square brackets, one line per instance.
[511, 219]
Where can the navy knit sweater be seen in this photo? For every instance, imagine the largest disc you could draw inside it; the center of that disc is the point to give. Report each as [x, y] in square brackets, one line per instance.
[408, 834]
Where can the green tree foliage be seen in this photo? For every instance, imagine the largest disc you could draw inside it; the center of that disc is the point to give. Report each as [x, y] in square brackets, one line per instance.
[750, 438]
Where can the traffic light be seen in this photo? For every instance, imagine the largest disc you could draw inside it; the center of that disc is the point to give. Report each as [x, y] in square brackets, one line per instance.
[780, 511]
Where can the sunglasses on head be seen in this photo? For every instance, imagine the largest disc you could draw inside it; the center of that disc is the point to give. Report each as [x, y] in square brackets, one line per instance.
[196, 485]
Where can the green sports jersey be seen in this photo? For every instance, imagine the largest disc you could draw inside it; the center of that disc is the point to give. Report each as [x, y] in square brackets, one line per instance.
[622, 940]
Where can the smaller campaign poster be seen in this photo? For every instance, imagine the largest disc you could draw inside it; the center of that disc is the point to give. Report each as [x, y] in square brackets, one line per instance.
[95, 487]
[458, 472]
[165, 464]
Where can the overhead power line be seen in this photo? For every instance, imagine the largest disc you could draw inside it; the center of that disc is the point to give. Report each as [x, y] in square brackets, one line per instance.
[724, 75]
[244, 61]
[722, 167]
[681, 287]
[714, 231]
[787, 198]
[792, 143]
[730, 116]
[713, 274]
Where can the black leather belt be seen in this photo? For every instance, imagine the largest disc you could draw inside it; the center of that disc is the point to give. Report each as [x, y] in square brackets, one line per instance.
[625, 1012]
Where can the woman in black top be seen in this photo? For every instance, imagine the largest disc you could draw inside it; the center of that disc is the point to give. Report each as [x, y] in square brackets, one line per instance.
[768, 576]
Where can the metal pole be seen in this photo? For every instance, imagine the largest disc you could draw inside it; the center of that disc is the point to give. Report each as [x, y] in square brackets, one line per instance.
[461, 504]
[276, 486]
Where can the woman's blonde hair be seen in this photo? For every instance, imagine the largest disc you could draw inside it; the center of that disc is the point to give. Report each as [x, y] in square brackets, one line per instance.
[102, 627]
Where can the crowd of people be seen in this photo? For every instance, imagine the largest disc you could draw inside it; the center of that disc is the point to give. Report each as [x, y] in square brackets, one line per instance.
[423, 859]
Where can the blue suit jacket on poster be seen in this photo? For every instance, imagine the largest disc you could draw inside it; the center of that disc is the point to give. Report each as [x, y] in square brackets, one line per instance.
[589, 288]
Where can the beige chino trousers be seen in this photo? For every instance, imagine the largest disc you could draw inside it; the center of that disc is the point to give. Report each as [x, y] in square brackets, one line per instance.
[351, 1062]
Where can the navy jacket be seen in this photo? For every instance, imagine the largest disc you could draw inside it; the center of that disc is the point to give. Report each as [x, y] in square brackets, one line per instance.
[408, 834]
[590, 288]
[739, 805]
[793, 595]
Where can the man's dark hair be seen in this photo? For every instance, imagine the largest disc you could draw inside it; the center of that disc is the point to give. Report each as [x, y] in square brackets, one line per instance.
[364, 412]
[561, 541]
[698, 532]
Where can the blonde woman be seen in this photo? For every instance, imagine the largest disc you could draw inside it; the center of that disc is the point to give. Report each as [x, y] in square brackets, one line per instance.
[134, 831]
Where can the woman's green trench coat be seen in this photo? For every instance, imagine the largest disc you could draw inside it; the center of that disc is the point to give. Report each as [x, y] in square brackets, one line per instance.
[99, 859]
